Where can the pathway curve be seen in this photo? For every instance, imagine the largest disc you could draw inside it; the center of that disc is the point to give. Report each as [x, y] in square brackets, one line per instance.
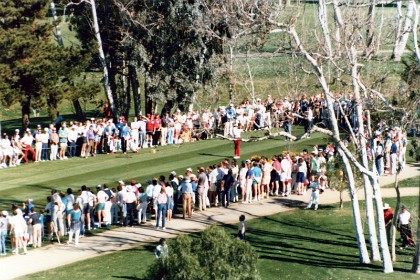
[53, 256]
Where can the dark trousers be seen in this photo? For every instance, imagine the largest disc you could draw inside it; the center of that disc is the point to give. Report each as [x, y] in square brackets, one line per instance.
[130, 213]
[44, 152]
[72, 148]
[226, 198]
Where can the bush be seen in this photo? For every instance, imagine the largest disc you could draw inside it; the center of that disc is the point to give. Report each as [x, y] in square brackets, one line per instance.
[215, 255]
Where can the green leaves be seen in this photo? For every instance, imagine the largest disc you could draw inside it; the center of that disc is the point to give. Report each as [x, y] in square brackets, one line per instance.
[214, 255]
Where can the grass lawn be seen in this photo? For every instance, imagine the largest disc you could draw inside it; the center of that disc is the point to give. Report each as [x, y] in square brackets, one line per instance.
[35, 180]
[407, 183]
[297, 244]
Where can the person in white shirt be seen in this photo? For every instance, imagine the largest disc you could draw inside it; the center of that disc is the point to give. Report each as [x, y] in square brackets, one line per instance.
[309, 120]
[404, 219]
[101, 198]
[316, 187]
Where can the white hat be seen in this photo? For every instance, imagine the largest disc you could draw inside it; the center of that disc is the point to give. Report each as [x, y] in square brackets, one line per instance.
[5, 213]
[173, 173]
[189, 169]
[121, 182]
[386, 206]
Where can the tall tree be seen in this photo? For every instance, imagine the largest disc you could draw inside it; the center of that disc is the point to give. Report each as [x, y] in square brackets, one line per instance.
[32, 67]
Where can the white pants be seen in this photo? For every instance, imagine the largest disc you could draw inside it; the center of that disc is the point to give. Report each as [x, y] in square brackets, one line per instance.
[164, 134]
[54, 150]
[107, 218]
[141, 214]
[249, 191]
[393, 163]
[314, 199]
[37, 235]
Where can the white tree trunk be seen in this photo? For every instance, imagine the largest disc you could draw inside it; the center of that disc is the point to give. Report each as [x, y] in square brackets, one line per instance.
[401, 41]
[378, 43]
[361, 243]
[105, 75]
[415, 29]
[364, 256]
[323, 20]
[58, 34]
[363, 155]
[370, 34]
[338, 21]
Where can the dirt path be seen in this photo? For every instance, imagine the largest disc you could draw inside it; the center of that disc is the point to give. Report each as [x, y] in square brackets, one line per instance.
[53, 256]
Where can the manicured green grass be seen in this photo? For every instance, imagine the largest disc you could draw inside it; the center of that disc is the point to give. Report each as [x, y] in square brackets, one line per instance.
[407, 183]
[37, 179]
[297, 244]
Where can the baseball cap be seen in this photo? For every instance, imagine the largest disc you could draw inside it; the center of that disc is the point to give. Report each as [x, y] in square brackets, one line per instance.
[189, 169]
[133, 182]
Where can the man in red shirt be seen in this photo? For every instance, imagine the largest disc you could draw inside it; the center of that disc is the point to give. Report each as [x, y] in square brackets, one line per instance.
[150, 129]
[158, 130]
[388, 215]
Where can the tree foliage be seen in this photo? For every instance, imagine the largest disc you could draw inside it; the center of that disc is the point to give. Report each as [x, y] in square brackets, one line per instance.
[215, 255]
[33, 68]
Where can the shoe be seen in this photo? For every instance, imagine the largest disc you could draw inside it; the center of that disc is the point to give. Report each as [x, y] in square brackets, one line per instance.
[164, 228]
[157, 227]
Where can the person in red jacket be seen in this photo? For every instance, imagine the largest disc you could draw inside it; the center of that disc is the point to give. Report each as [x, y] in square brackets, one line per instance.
[150, 129]
[158, 130]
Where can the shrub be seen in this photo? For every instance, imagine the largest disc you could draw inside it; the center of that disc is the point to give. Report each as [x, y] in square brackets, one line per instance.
[215, 255]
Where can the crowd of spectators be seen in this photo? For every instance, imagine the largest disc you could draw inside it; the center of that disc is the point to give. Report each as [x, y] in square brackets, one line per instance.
[72, 212]
[66, 139]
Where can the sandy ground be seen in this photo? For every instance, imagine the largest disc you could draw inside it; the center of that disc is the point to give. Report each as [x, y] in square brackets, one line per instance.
[53, 256]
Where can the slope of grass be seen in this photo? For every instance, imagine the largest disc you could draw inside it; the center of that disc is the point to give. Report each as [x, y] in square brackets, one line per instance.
[297, 244]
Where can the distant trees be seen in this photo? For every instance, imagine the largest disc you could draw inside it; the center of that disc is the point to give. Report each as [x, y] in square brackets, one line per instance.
[214, 255]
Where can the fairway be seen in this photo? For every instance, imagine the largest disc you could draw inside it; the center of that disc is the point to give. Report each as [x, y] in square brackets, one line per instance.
[35, 180]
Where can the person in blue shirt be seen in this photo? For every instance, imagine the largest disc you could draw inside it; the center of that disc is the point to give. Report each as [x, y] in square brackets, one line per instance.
[125, 134]
[249, 179]
[257, 181]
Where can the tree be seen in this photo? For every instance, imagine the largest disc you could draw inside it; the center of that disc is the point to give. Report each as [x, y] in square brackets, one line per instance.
[222, 256]
[345, 66]
[32, 67]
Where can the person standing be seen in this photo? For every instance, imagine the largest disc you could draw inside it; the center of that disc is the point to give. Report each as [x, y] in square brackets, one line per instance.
[75, 225]
[130, 201]
[162, 202]
[309, 120]
[63, 135]
[237, 129]
[393, 154]
[27, 141]
[404, 219]
[35, 222]
[227, 182]
[4, 224]
[388, 216]
[201, 189]
[54, 140]
[316, 186]
[187, 192]
[242, 227]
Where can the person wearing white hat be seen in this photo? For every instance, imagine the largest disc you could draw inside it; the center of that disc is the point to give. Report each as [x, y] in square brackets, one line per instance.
[388, 215]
